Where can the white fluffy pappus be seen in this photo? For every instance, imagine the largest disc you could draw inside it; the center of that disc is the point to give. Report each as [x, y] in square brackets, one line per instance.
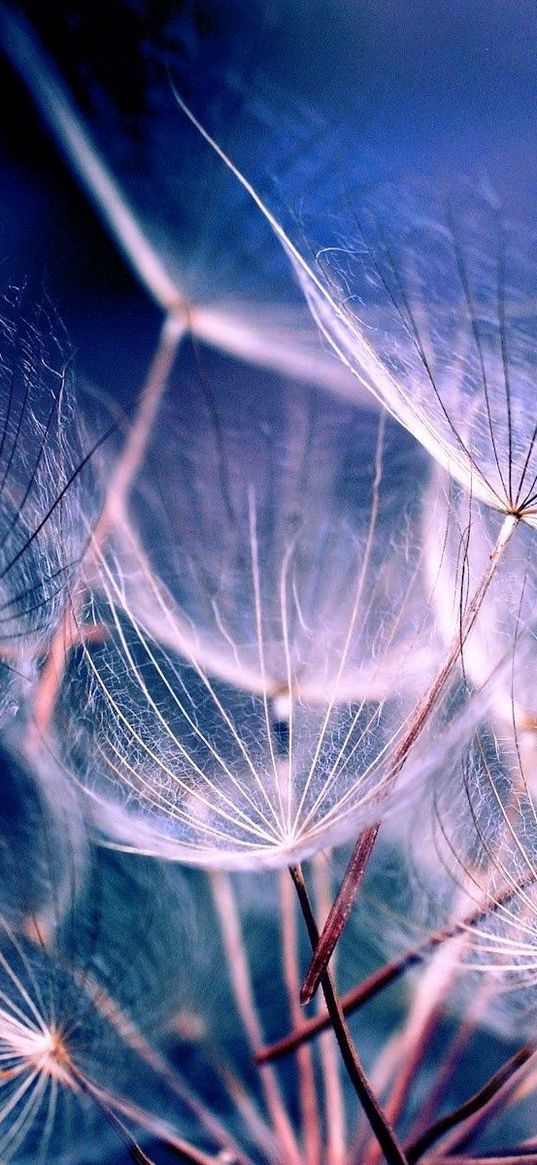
[242, 706]
[458, 534]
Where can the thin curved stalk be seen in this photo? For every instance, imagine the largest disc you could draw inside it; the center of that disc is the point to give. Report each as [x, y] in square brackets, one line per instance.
[451, 1061]
[385, 1135]
[110, 1105]
[133, 1038]
[357, 996]
[306, 1079]
[51, 96]
[328, 1053]
[363, 849]
[472, 1106]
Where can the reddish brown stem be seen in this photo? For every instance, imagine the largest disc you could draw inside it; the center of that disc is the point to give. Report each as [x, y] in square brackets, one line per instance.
[389, 973]
[362, 851]
[383, 1132]
[474, 1104]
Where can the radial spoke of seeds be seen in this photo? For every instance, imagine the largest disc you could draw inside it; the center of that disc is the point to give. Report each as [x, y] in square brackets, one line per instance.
[385, 1135]
[35, 1055]
[357, 600]
[116, 497]
[224, 807]
[357, 866]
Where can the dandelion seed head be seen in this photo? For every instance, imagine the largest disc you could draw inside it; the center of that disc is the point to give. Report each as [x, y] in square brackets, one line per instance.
[82, 1010]
[431, 305]
[458, 536]
[256, 628]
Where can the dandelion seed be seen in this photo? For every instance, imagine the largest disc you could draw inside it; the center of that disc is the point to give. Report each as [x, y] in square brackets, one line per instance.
[431, 305]
[236, 710]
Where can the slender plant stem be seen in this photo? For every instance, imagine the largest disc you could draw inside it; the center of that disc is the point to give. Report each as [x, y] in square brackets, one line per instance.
[357, 996]
[53, 100]
[452, 1059]
[385, 1135]
[237, 963]
[330, 1061]
[132, 1037]
[359, 860]
[94, 1093]
[415, 1149]
[521, 1158]
[425, 1012]
[111, 1104]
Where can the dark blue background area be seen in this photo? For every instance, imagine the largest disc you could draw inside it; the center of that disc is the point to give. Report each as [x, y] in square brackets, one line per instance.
[384, 91]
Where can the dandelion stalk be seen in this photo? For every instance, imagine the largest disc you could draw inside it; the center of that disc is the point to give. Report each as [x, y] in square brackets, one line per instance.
[358, 996]
[363, 849]
[452, 1060]
[308, 1098]
[135, 1151]
[385, 1135]
[23, 49]
[473, 1106]
[523, 1157]
[417, 1034]
[134, 1038]
[111, 1105]
[334, 1109]
[225, 904]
